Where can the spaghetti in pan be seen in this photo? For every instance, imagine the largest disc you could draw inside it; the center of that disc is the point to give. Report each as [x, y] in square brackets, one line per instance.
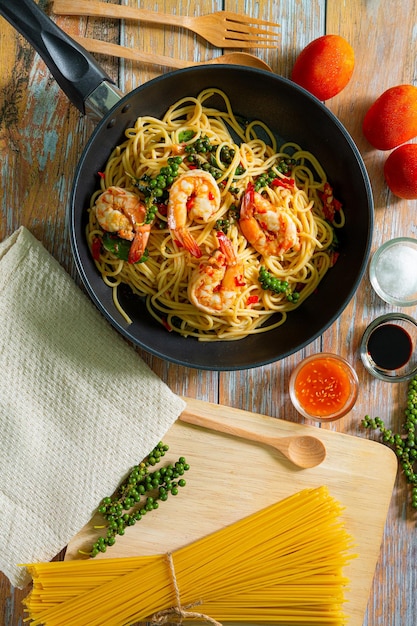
[219, 229]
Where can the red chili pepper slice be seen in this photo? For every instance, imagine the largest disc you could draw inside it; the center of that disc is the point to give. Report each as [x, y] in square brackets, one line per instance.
[252, 300]
[190, 202]
[165, 323]
[282, 182]
[330, 204]
[337, 204]
[333, 257]
[96, 248]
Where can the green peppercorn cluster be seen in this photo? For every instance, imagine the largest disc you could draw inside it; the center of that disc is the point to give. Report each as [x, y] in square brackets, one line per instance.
[232, 217]
[403, 444]
[284, 166]
[154, 188]
[139, 494]
[270, 282]
[201, 153]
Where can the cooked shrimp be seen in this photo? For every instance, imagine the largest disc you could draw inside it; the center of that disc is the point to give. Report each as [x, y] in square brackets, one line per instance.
[195, 195]
[268, 228]
[122, 212]
[217, 281]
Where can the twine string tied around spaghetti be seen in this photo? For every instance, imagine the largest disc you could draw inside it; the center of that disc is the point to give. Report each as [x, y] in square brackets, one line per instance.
[179, 611]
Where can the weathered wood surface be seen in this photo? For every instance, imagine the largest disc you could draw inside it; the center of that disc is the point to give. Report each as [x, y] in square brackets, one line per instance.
[41, 139]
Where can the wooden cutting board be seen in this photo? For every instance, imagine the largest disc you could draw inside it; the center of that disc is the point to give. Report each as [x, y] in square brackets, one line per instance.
[231, 478]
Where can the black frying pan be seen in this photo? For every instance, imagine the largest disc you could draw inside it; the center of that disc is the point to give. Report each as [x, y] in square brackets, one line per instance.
[289, 110]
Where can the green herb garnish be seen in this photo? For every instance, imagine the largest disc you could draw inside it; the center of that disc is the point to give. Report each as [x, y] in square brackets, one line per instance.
[120, 247]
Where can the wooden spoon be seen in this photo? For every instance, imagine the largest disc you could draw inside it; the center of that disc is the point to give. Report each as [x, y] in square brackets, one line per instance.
[113, 49]
[302, 450]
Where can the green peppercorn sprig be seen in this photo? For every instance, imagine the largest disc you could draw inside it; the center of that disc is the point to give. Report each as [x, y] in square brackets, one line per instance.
[265, 180]
[201, 153]
[274, 284]
[155, 188]
[139, 494]
[404, 444]
[231, 217]
[284, 166]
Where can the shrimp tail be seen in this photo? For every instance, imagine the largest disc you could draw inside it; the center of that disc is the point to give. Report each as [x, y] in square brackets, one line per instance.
[248, 200]
[137, 249]
[249, 226]
[226, 247]
[233, 278]
[187, 240]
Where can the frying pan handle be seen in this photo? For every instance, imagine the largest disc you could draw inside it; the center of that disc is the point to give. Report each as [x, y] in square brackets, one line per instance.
[74, 69]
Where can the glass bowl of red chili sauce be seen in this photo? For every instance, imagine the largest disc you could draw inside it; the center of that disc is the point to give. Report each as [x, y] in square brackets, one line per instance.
[324, 387]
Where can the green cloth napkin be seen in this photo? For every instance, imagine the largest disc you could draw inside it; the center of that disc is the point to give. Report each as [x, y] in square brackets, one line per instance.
[78, 407]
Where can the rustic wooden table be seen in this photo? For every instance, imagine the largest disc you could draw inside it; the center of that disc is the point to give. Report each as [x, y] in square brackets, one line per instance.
[41, 139]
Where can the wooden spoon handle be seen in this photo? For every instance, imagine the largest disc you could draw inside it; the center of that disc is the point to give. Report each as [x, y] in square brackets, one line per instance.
[230, 429]
[114, 49]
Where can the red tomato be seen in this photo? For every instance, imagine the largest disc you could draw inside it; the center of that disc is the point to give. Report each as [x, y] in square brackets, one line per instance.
[400, 171]
[325, 66]
[392, 118]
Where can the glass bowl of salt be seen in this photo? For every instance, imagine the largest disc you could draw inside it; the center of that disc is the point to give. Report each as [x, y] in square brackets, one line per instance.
[393, 271]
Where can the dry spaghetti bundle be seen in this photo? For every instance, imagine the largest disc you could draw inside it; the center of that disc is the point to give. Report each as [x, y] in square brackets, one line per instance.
[281, 565]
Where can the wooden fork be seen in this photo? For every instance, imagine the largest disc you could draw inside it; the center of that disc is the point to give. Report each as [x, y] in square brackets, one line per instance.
[223, 29]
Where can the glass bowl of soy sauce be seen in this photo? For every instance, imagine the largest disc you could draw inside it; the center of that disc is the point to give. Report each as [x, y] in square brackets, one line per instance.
[388, 347]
